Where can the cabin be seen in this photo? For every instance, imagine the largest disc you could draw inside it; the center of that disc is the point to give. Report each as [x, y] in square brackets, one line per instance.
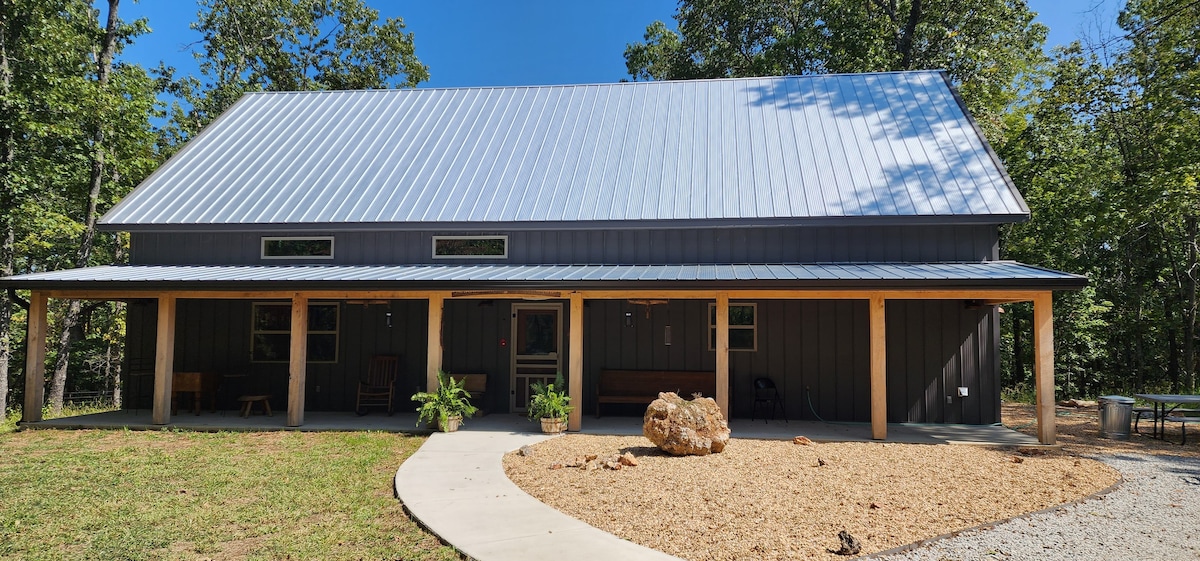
[836, 234]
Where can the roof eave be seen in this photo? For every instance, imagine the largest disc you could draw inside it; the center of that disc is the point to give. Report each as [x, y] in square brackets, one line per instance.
[841, 221]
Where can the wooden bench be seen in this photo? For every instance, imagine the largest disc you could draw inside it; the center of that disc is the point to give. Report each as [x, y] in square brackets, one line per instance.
[643, 386]
[476, 385]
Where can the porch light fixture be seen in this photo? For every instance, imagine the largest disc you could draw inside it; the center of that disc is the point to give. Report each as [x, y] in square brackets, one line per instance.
[388, 317]
[667, 336]
[628, 319]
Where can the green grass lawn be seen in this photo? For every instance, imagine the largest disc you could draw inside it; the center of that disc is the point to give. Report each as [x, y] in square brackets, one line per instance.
[184, 495]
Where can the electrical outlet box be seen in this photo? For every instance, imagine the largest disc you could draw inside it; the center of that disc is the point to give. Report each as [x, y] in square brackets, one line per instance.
[962, 391]
[949, 400]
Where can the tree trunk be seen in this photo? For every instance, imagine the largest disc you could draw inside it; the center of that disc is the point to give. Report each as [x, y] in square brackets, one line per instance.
[7, 198]
[96, 180]
[1189, 325]
[1018, 362]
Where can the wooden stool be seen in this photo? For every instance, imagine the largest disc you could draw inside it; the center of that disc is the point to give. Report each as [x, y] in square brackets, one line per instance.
[248, 402]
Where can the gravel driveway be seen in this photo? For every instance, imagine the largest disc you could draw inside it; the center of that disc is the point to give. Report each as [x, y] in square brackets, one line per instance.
[1154, 514]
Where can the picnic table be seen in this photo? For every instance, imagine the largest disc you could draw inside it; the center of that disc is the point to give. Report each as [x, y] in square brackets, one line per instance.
[1161, 402]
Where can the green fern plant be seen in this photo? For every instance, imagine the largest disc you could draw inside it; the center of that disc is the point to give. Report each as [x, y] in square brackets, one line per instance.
[450, 400]
[549, 401]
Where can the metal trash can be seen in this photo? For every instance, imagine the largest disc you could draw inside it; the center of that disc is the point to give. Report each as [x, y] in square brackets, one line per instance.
[1116, 412]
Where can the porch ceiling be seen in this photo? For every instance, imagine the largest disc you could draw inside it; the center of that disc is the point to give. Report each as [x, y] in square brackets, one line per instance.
[794, 276]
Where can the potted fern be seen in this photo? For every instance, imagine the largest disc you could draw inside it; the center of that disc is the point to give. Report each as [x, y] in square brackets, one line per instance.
[551, 404]
[447, 406]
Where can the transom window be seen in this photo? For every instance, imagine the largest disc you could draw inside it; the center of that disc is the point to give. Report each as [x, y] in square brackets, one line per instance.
[470, 247]
[743, 326]
[271, 331]
[298, 248]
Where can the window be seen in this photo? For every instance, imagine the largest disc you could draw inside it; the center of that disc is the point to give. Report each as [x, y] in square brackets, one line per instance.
[298, 248]
[271, 326]
[743, 326]
[470, 247]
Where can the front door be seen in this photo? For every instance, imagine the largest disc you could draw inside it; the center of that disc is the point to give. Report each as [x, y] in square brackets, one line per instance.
[536, 356]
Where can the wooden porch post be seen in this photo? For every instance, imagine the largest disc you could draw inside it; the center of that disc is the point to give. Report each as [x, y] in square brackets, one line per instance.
[164, 360]
[575, 370]
[1043, 365]
[722, 353]
[297, 360]
[35, 359]
[434, 359]
[878, 368]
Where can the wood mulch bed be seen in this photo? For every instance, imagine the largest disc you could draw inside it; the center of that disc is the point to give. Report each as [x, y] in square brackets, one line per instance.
[778, 500]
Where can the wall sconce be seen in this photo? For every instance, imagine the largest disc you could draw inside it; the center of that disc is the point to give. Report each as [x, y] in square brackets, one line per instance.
[388, 316]
[667, 336]
[628, 319]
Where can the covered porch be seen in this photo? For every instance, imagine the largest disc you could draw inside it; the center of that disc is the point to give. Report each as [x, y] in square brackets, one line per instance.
[984, 435]
[982, 284]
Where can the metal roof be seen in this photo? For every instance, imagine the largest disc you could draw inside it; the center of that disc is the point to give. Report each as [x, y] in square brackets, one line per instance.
[858, 147]
[1000, 274]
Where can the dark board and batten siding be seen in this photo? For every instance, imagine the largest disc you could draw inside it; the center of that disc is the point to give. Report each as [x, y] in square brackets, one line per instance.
[816, 351]
[712, 245]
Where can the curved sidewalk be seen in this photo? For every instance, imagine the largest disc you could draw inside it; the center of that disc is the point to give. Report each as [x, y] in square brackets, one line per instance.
[455, 485]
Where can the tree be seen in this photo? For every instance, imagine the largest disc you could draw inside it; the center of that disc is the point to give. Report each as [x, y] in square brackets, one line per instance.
[39, 55]
[985, 45]
[285, 45]
[76, 136]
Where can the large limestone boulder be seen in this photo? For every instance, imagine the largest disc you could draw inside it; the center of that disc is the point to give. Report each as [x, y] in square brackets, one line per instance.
[685, 428]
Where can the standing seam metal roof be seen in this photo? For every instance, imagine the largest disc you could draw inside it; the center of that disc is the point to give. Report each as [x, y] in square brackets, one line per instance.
[748, 151]
[990, 273]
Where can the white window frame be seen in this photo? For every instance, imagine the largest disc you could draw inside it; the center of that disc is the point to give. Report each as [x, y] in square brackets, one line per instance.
[434, 242]
[712, 326]
[336, 332]
[262, 247]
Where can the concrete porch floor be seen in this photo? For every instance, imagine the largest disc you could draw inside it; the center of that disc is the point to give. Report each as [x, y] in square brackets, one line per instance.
[987, 435]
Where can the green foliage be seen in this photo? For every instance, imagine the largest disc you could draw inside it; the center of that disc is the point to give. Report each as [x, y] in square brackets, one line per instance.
[181, 495]
[288, 45]
[549, 401]
[449, 400]
[1106, 152]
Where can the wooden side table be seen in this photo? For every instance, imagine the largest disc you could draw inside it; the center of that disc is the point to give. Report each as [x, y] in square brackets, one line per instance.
[248, 402]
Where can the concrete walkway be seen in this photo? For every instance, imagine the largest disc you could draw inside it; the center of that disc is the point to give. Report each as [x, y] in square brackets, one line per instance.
[456, 487]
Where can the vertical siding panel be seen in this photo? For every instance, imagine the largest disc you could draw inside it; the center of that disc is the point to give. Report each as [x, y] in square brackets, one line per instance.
[826, 394]
[810, 356]
[921, 326]
[953, 372]
[895, 321]
[790, 372]
[861, 353]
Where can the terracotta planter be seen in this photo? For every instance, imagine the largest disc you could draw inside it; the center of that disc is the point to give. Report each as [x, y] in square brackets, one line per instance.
[451, 424]
[551, 425]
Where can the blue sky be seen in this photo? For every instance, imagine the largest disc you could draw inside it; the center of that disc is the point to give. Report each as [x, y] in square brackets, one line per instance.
[527, 42]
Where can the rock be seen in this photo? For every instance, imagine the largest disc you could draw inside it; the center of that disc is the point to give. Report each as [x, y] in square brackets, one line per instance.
[1017, 459]
[850, 544]
[628, 460]
[612, 464]
[1078, 403]
[803, 441]
[685, 428]
[525, 451]
[556, 466]
[590, 457]
[591, 465]
[821, 462]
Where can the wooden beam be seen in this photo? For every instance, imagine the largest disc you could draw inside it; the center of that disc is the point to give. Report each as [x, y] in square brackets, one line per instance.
[433, 359]
[35, 359]
[297, 360]
[1043, 366]
[986, 295]
[878, 367]
[164, 360]
[722, 353]
[575, 371]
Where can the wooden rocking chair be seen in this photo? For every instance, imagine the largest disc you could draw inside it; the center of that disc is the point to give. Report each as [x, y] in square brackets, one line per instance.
[378, 387]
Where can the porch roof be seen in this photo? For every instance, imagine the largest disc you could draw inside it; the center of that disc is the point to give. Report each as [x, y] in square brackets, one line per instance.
[989, 274]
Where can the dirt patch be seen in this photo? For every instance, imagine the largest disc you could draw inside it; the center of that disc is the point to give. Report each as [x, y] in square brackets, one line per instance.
[779, 500]
[1079, 432]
